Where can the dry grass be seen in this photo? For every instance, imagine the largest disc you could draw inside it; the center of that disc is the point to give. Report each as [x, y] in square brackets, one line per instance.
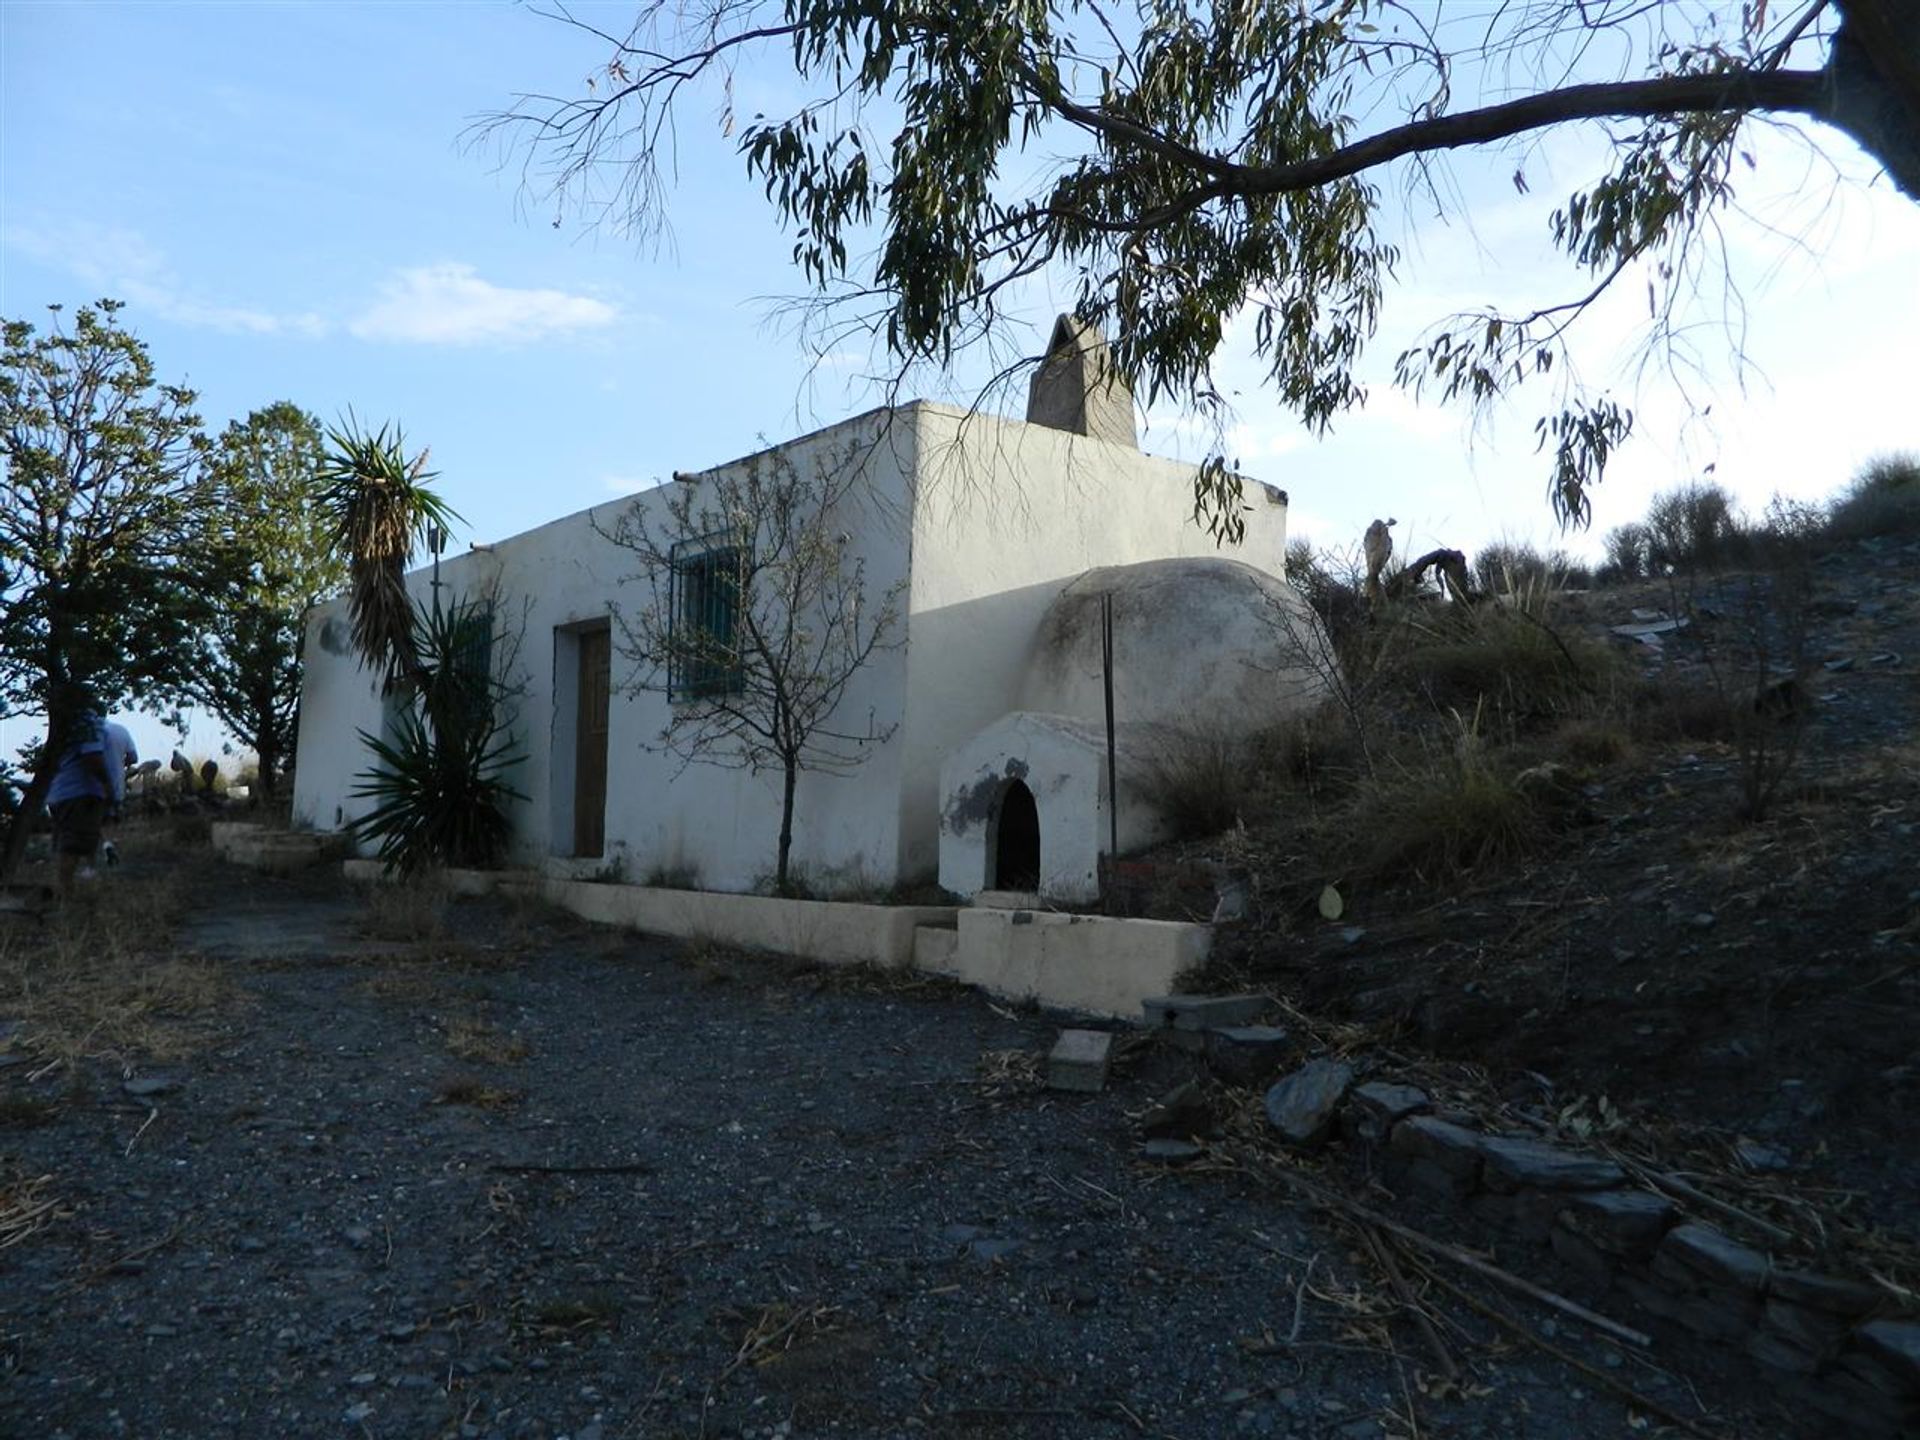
[1454, 814]
[413, 908]
[26, 1205]
[98, 978]
[472, 1037]
[468, 1090]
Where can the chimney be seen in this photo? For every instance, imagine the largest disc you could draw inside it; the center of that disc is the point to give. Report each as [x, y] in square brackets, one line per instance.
[1076, 389]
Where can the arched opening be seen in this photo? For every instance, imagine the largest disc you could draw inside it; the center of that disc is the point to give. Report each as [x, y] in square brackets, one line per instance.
[1016, 840]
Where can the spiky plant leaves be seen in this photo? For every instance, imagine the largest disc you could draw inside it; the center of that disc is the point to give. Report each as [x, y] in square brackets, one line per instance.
[439, 800]
[377, 504]
[439, 783]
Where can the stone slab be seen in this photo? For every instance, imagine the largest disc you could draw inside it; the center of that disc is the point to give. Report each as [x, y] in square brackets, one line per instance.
[1452, 1148]
[1303, 1106]
[1247, 1054]
[1896, 1345]
[1704, 1254]
[1512, 1164]
[1622, 1222]
[1079, 1061]
[1377, 1106]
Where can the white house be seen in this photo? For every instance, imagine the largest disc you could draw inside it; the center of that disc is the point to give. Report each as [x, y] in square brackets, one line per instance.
[987, 719]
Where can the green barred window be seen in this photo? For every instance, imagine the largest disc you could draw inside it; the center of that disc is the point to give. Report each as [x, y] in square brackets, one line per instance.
[704, 656]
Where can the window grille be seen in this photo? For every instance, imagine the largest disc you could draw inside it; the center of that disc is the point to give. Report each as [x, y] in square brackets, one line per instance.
[703, 655]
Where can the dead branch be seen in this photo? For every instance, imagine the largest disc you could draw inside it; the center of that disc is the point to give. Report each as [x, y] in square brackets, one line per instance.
[1352, 1209]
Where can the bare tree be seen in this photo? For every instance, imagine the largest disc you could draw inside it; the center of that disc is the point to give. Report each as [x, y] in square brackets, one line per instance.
[757, 619]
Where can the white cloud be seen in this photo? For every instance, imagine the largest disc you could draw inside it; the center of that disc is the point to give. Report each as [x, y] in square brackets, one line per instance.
[119, 264]
[449, 304]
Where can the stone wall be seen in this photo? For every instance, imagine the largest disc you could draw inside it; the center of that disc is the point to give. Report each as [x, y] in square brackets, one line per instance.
[1837, 1347]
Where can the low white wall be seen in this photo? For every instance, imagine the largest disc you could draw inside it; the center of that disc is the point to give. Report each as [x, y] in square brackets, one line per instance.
[824, 930]
[1071, 962]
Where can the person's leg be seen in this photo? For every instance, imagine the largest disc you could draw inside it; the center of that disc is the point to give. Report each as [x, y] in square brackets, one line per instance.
[76, 835]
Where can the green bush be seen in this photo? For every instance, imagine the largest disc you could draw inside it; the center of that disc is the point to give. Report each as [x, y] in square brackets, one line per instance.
[1883, 499]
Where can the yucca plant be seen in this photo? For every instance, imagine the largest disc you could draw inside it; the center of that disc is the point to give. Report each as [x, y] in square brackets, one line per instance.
[439, 800]
[377, 504]
[439, 783]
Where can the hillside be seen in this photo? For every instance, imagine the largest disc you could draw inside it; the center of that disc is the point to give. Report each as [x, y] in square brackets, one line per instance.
[1745, 994]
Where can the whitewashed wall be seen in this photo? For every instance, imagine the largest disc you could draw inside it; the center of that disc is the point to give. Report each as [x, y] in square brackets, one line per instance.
[719, 826]
[1005, 515]
[995, 516]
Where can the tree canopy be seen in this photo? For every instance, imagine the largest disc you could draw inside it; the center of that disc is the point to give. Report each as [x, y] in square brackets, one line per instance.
[102, 492]
[1183, 165]
[269, 558]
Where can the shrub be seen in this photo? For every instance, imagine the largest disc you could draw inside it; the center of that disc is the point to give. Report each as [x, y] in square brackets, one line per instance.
[1691, 527]
[1449, 815]
[1506, 568]
[1195, 778]
[1506, 660]
[1629, 553]
[1883, 499]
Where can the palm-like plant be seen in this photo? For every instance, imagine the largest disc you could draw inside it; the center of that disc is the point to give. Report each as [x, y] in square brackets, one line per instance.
[377, 504]
[439, 780]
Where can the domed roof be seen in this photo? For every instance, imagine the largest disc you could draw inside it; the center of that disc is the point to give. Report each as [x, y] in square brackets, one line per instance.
[1198, 643]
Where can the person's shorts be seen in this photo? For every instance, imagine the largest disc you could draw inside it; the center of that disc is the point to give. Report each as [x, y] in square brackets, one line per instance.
[76, 825]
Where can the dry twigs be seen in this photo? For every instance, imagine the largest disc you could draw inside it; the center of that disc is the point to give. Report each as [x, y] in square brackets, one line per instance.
[1353, 1210]
[25, 1208]
[1593, 1373]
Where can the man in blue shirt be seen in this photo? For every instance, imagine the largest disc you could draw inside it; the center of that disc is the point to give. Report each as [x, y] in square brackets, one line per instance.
[78, 797]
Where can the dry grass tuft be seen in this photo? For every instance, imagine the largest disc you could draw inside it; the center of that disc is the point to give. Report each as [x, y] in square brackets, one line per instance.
[27, 1206]
[87, 982]
[467, 1090]
[471, 1037]
[1007, 1072]
[412, 909]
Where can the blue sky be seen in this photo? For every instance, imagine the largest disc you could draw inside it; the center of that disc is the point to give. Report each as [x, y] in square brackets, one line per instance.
[282, 195]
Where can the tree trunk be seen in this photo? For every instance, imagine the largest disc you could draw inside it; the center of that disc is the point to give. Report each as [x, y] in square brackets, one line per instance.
[22, 826]
[267, 751]
[1874, 69]
[786, 826]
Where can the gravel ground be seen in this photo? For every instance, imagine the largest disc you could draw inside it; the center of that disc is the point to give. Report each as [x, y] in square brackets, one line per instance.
[535, 1179]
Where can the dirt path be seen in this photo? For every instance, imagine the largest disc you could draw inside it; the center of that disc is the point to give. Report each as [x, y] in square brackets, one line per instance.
[532, 1179]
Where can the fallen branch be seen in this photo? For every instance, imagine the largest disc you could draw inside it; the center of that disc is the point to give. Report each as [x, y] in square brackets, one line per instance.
[1593, 1373]
[1340, 1204]
[1680, 1189]
[1430, 1337]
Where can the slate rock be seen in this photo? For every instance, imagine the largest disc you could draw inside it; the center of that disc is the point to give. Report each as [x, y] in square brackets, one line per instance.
[1621, 1222]
[1896, 1345]
[1531, 1165]
[146, 1086]
[1451, 1148]
[1379, 1105]
[1247, 1054]
[1703, 1253]
[1302, 1106]
[1824, 1292]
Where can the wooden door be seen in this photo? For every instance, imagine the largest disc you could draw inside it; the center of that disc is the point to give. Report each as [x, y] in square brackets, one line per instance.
[590, 744]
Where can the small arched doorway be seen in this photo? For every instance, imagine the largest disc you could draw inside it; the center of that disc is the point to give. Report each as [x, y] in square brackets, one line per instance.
[1016, 840]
